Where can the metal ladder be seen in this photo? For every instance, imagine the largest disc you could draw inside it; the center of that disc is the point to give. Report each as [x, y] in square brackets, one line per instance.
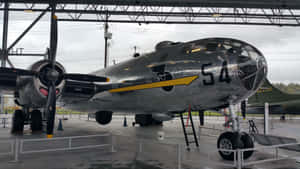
[252, 127]
[189, 130]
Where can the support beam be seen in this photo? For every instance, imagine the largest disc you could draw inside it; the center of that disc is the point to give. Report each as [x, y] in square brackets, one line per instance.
[4, 35]
[181, 22]
[266, 119]
[105, 40]
[4, 51]
[27, 54]
[107, 36]
[10, 63]
[201, 117]
[28, 29]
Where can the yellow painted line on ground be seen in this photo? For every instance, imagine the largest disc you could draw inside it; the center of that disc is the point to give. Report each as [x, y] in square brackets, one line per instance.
[175, 82]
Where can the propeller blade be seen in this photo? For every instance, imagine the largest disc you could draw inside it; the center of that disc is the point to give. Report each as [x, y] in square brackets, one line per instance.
[85, 77]
[51, 109]
[243, 108]
[53, 39]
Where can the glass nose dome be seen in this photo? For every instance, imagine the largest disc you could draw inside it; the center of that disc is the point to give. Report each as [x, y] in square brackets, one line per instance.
[252, 67]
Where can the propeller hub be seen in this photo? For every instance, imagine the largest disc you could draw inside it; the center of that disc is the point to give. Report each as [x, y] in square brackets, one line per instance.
[52, 75]
[48, 74]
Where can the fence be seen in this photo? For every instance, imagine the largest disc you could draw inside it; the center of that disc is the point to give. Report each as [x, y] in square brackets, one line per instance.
[274, 152]
[8, 149]
[146, 150]
[31, 146]
[177, 156]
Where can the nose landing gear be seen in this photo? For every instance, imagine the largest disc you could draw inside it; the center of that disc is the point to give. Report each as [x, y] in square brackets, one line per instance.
[234, 140]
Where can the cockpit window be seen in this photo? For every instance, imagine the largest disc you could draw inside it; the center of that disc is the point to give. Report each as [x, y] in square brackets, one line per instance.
[227, 46]
[212, 46]
[249, 52]
[237, 44]
[192, 48]
[245, 53]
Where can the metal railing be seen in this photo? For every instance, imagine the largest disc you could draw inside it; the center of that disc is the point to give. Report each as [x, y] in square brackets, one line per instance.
[68, 147]
[274, 157]
[4, 122]
[11, 144]
[239, 162]
[144, 149]
[18, 145]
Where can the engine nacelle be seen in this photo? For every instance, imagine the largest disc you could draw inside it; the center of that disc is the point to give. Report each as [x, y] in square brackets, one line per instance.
[33, 91]
[103, 117]
[162, 116]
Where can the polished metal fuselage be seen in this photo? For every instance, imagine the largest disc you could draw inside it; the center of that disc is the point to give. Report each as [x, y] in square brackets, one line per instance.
[214, 62]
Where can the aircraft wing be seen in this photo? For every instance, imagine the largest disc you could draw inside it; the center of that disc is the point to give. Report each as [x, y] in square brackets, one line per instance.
[9, 76]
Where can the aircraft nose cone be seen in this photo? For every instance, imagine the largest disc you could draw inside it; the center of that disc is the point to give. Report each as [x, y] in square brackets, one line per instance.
[252, 67]
[262, 70]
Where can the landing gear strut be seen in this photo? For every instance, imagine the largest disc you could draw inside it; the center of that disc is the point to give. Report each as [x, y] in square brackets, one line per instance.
[235, 139]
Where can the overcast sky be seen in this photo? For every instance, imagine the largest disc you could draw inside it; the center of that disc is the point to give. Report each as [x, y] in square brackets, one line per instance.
[81, 45]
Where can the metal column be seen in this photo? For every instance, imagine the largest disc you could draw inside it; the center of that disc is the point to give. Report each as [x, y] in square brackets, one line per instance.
[4, 34]
[201, 117]
[4, 51]
[106, 39]
[266, 119]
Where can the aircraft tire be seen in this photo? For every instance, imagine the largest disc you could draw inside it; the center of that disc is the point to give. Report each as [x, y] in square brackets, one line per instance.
[18, 122]
[247, 143]
[228, 140]
[103, 117]
[36, 124]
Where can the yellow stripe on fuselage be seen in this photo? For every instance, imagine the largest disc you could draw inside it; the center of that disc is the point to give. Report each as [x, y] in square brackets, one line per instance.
[174, 82]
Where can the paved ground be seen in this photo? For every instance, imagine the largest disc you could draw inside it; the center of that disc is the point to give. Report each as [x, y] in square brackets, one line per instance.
[136, 147]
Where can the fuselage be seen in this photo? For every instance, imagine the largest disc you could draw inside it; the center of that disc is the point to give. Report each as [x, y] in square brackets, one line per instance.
[226, 71]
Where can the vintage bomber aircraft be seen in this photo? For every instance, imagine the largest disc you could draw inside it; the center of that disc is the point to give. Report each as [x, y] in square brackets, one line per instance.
[203, 74]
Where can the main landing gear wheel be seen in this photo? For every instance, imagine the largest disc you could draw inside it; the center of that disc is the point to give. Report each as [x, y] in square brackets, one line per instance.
[18, 122]
[230, 141]
[36, 121]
